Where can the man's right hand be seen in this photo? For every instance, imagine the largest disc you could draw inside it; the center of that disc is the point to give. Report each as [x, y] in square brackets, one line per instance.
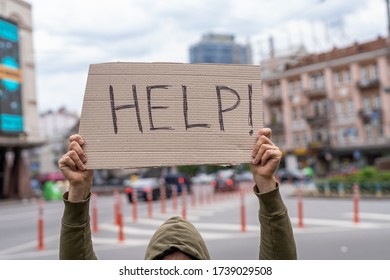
[72, 166]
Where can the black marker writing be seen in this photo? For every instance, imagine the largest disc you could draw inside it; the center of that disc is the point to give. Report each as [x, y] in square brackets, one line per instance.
[150, 107]
[222, 93]
[250, 120]
[220, 110]
[185, 111]
[128, 106]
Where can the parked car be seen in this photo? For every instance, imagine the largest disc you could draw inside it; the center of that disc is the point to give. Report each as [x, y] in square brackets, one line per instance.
[225, 180]
[289, 175]
[143, 186]
[179, 180]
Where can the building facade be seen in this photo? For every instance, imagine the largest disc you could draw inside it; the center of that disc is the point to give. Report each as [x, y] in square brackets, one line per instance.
[329, 110]
[19, 131]
[220, 48]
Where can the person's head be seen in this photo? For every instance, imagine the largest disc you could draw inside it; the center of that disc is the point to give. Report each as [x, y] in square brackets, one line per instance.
[174, 254]
[177, 239]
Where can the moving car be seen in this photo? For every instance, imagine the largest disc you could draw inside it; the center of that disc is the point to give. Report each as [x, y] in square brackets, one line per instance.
[225, 180]
[142, 186]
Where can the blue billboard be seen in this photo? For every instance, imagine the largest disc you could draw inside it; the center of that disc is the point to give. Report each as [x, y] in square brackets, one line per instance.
[11, 116]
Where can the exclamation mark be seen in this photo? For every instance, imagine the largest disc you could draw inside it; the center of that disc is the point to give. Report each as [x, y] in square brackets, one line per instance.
[250, 121]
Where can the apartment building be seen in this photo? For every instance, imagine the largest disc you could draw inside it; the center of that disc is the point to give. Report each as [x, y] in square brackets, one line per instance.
[330, 110]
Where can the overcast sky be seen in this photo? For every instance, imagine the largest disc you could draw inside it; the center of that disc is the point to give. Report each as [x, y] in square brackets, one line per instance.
[70, 35]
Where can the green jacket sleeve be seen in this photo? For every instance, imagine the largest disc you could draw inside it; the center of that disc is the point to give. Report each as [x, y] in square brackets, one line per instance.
[75, 238]
[276, 234]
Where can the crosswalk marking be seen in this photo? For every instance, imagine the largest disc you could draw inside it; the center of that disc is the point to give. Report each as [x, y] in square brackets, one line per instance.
[336, 223]
[220, 231]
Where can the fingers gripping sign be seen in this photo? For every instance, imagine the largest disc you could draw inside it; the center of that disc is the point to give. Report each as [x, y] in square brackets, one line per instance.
[72, 166]
[266, 157]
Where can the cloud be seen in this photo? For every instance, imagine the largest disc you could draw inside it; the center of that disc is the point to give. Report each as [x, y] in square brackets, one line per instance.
[70, 35]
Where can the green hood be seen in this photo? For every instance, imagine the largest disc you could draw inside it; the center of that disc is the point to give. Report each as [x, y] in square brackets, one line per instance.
[180, 234]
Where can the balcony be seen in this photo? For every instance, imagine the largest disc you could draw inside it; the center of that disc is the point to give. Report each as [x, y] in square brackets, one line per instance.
[370, 115]
[366, 84]
[315, 93]
[318, 120]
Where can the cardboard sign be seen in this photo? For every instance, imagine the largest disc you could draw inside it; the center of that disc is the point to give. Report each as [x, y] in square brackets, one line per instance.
[169, 114]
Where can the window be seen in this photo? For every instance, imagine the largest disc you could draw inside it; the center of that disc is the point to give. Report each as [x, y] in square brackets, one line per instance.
[339, 108]
[369, 132]
[303, 112]
[300, 87]
[324, 107]
[341, 136]
[275, 116]
[350, 108]
[347, 76]
[337, 78]
[317, 81]
[304, 139]
[364, 73]
[366, 103]
[291, 88]
[317, 136]
[275, 89]
[349, 134]
[374, 72]
[377, 101]
[316, 108]
[380, 131]
[296, 139]
[294, 114]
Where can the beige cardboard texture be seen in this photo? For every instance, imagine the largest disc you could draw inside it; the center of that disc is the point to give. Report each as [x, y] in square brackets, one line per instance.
[170, 114]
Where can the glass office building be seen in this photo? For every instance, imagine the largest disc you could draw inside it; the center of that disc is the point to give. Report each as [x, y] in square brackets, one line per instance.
[220, 48]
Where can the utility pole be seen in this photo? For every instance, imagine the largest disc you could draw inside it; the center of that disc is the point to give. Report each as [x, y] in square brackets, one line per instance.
[388, 17]
[387, 89]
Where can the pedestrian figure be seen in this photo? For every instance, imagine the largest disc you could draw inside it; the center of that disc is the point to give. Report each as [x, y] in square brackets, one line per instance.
[177, 238]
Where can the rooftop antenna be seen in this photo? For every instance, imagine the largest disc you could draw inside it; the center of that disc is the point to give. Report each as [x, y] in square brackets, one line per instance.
[271, 46]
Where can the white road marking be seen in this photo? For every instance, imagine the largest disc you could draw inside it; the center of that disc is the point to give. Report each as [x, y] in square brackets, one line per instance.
[128, 230]
[28, 245]
[369, 216]
[336, 223]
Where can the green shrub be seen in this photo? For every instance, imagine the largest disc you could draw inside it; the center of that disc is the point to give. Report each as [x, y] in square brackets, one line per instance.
[369, 179]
